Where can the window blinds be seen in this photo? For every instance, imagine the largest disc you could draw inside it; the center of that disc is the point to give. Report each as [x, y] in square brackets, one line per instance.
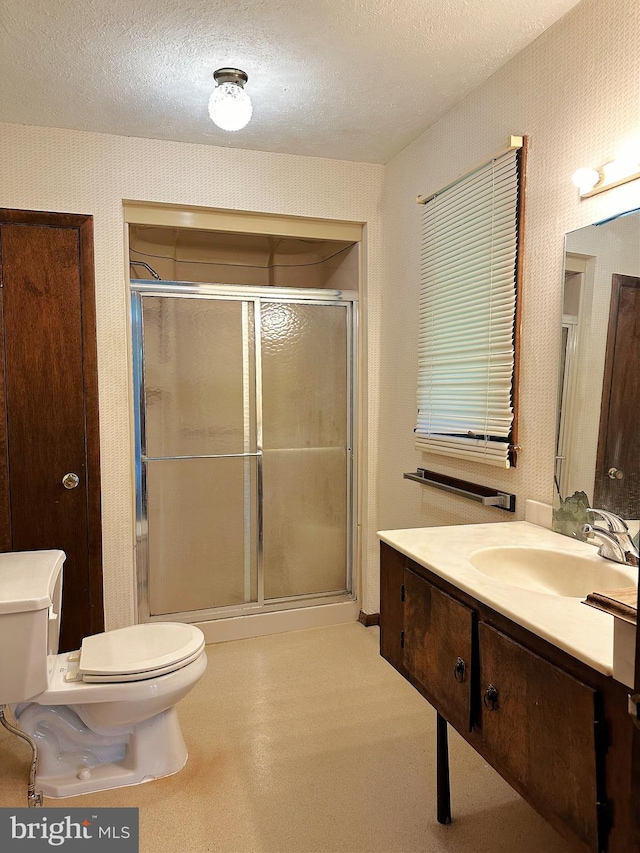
[467, 312]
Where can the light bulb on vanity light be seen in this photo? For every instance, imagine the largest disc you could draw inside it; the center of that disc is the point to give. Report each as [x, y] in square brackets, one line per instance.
[230, 106]
[586, 179]
[625, 168]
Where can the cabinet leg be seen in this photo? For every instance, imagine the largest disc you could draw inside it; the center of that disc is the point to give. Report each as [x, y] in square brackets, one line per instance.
[443, 786]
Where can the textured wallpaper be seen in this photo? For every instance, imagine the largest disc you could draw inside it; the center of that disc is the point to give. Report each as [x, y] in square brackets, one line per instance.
[61, 170]
[575, 92]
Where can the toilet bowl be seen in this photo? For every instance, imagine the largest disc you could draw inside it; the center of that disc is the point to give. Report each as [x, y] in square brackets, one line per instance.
[104, 716]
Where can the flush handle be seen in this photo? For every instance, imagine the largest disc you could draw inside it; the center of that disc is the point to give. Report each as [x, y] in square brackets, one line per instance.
[70, 481]
[615, 474]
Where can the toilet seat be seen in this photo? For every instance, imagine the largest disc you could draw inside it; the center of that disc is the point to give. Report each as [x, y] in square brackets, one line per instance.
[140, 676]
[138, 652]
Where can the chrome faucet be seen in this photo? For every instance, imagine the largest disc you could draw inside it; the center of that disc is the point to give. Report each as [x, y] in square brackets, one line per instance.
[615, 541]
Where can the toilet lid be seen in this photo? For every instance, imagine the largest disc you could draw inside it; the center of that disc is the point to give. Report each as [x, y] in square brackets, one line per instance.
[140, 676]
[140, 651]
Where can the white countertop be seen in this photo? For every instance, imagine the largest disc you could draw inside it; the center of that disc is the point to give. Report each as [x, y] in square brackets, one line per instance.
[583, 632]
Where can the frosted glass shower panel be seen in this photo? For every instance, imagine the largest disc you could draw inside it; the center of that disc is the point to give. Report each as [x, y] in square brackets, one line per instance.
[199, 376]
[305, 372]
[202, 530]
[244, 461]
[304, 521]
[304, 354]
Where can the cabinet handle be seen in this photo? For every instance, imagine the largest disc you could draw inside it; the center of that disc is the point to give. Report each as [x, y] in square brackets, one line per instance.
[459, 670]
[490, 698]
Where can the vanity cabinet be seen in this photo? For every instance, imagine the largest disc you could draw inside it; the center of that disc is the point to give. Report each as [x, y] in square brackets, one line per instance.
[392, 607]
[438, 636]
[545, 721]
[540, 725]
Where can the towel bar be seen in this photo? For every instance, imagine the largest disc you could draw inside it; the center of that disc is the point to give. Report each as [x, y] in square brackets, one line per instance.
[484, 494]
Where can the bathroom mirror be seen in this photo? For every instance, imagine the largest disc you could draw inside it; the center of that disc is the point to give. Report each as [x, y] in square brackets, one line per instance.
[597, 434]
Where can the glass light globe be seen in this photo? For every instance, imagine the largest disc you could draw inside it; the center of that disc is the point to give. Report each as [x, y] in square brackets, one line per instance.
[230, 106]
[586, 179]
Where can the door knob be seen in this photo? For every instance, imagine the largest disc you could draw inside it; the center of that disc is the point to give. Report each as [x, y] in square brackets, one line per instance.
[70, 481]
[615, 474]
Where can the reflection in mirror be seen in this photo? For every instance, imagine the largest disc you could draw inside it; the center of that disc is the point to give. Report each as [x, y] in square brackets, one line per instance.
[597, 432]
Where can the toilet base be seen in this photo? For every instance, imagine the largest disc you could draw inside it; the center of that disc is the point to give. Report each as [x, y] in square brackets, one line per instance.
[74, 760]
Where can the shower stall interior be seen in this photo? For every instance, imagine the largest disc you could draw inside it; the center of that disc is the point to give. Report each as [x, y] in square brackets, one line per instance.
[245, 420]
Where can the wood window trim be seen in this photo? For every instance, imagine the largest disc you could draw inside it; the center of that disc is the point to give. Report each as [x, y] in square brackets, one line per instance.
[517, 320]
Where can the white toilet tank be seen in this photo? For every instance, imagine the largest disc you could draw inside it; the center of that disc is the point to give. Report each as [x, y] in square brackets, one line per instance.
[30, 601]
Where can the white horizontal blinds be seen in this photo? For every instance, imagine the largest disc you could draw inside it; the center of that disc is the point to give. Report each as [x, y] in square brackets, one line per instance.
[467, 310]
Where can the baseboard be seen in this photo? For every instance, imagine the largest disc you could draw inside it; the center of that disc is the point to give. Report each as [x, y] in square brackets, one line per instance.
[369, 619]
[262, 624]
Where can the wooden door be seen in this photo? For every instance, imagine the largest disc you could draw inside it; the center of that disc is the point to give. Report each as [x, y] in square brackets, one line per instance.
[49, 409]
[438, 648]
[539, 724]
[617, 483]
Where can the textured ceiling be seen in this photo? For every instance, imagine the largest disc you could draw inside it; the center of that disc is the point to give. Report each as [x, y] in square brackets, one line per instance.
[330, 78]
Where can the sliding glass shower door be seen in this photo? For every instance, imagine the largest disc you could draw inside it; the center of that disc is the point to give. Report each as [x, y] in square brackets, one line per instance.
[244, 429]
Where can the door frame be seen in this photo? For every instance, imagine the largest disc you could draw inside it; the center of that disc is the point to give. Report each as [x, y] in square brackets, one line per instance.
[144, 287]
[83, 223]
[563, 457]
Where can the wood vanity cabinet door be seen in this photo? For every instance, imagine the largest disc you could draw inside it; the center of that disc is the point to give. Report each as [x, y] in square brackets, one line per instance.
[538, 723]
[438, 641]
[392, 566]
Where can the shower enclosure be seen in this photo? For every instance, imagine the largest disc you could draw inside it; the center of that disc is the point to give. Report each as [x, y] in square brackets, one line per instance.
[244, 401]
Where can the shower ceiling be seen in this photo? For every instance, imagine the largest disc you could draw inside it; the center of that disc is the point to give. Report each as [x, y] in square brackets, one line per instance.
[263, 249]
[334, 78]
[184, 254]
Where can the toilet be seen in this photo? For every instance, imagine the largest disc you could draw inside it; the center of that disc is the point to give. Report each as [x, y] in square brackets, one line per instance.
[103, 716]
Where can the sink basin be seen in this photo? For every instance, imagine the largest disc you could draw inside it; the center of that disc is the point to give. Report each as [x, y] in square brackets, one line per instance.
[552, 572]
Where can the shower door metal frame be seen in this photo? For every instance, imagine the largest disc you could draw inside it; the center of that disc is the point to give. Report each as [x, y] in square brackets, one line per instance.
[255, 295]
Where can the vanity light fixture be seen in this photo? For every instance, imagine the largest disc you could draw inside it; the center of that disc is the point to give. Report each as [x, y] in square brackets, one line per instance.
[230, 106]
[625, 168]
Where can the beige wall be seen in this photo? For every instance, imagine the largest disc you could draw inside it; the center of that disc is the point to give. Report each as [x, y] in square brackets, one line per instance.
[62, 170]
[575, 93]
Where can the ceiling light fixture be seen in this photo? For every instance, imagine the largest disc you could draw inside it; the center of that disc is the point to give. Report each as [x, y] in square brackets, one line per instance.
[229, 105]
